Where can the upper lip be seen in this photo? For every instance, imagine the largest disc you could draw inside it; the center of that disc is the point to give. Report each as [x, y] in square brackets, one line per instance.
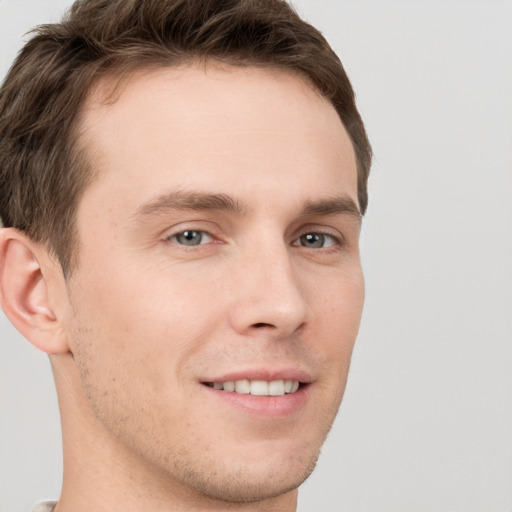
[263, 373]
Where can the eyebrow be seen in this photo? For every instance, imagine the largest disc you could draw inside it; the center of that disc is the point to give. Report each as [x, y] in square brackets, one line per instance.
[201, 201]
[332, 206]
[183, 200]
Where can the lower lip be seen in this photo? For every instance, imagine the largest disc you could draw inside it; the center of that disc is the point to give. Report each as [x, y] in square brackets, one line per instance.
[265, 406]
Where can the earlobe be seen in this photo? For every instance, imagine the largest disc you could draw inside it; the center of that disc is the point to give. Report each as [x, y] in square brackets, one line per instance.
[24, 291]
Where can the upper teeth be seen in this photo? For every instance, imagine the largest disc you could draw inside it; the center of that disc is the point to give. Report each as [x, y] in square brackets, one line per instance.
[258, 387]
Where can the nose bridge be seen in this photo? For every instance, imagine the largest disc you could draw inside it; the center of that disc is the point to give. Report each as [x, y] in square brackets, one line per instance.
[269, 292]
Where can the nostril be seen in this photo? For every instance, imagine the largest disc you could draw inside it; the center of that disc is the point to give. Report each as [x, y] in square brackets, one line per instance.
[261, 324]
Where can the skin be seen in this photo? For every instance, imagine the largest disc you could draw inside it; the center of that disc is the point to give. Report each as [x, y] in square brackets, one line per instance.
[144, 319]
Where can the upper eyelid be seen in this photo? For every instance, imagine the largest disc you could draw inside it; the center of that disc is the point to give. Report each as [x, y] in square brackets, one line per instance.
[321, 230]
[191, 225]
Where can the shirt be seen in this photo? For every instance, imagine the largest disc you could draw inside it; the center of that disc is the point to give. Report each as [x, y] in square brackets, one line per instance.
[47, 506]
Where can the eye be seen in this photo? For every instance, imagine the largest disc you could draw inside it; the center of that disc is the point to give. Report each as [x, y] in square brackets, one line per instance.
[191, 237]
[315, 241]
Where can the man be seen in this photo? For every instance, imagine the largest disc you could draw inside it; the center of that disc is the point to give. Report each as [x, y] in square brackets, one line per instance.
[181, 188]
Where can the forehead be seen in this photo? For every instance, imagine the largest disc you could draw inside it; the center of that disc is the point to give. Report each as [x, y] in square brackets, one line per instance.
[223, 128]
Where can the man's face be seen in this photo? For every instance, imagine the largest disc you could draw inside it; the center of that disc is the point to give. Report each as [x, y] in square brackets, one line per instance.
[218, 245]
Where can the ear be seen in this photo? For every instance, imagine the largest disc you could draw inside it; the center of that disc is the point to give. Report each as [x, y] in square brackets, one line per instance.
[26, 273]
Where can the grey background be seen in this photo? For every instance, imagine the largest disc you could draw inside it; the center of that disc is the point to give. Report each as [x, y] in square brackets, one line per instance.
[426, 423]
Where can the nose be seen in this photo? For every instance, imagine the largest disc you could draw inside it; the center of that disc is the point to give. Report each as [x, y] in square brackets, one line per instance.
[269, 295]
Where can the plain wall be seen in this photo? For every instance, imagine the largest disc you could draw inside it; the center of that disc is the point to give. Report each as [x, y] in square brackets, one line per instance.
[426, 423]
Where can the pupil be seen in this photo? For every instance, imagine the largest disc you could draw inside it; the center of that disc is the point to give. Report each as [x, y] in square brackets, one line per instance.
[190, 238]
[313, 240]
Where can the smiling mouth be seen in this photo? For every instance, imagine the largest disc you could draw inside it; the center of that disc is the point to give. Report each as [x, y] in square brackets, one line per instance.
[257, 387]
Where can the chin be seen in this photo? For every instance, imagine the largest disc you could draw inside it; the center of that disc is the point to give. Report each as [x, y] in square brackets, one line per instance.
[260, 473]
[249, 484]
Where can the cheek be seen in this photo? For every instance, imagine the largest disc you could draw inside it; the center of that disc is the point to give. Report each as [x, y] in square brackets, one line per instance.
[338, 315]
[134, 327]
[340, 304]
[136, 297]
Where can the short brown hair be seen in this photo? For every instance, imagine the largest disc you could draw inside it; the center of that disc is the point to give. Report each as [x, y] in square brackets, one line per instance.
[42, 172]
